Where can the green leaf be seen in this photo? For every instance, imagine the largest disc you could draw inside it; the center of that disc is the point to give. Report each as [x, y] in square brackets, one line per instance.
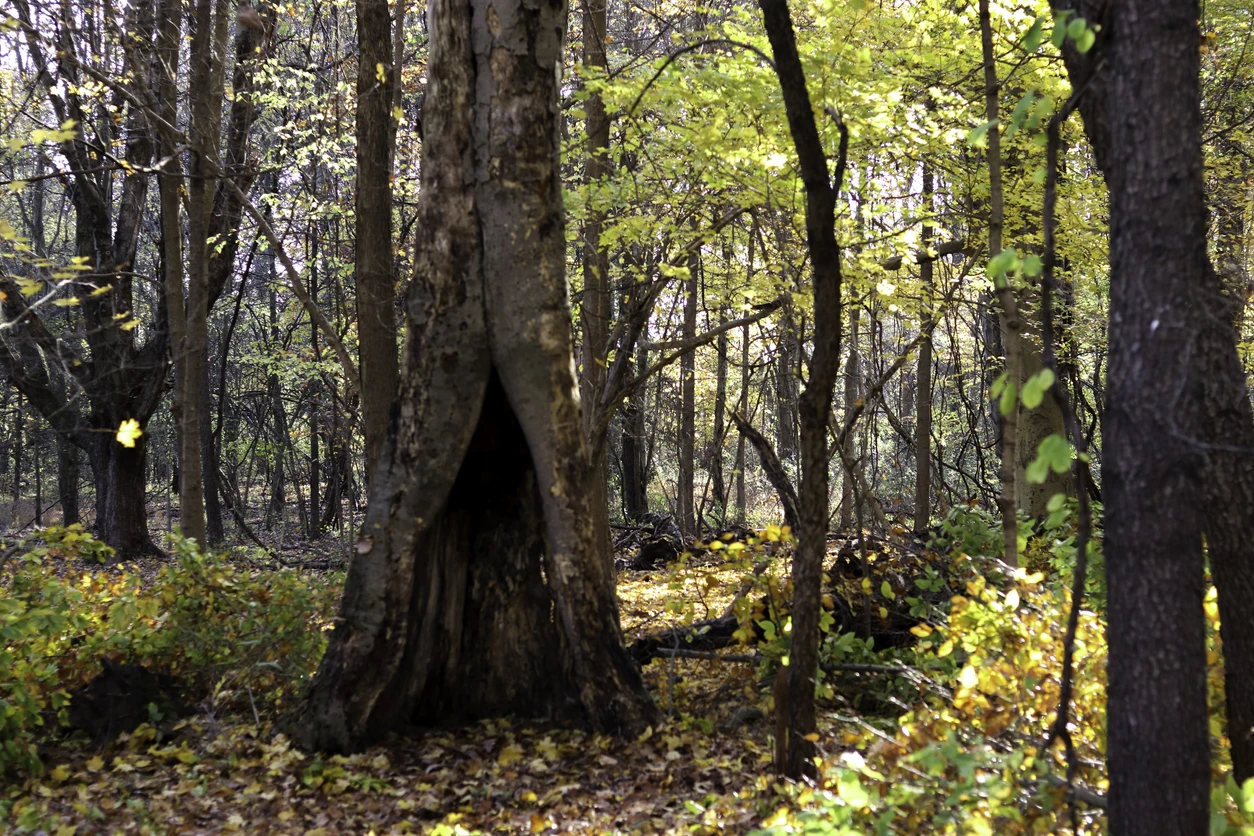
[978, 137]
[1054, 453]
[887, 591]
[1056, 502]
[1076, 28]
[1035, 387]
[1060, 28]
[1032, 265]
[1086, 40]
[1003, 263]
[1035, 34]
[1007, 402]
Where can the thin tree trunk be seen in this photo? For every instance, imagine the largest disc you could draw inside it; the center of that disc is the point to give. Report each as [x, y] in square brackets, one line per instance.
[378, 75]
[685, 490]
[67, 479]
[1011, 324]
[849, 494]
[923, 407]
[816, 402]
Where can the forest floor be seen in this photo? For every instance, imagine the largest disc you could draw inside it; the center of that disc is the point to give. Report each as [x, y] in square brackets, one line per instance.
[707, 769]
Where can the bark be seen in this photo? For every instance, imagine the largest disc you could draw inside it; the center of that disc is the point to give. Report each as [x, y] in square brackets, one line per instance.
[720, 431]
[923, 406]
[1153, 478]
[1226, 433]
[477, 588]
[378, 73]
[119, 476]
[775, 473]
[635, 454]
[1008, 313]
[816, 402]
[685, 490]
[853, 389]
[67, 479]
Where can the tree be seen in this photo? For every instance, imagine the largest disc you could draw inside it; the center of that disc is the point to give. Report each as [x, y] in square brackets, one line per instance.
[478, 587]
[378, 75]
[815, 405]
[1152, 472]
[1225, 427]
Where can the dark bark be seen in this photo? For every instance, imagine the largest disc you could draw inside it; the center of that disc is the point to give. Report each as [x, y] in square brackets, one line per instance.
[815, 407]
[1153, 477]
[923, 407]
[456, 608]
[685, 490]
[378, 74]
[775, 473]
[67, 480]
[1227, 426]
[119, 475]
[635, 459]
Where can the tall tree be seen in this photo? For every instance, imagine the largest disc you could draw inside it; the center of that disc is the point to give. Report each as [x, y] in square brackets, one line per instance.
[1157, 736]
[815, 406]
[378, 76]
[478, 587]
[1226, 431]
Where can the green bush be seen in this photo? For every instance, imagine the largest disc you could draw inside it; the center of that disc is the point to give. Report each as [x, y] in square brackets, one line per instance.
[232, 632]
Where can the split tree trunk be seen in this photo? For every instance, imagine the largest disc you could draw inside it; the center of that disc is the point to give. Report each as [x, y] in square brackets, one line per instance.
[478, 588]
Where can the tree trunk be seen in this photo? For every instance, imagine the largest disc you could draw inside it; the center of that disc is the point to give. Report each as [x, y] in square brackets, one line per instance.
[853, 387]
[378, 73]
[923, 406]
[67, 479]
[685, 490]
[1227, 431]
[816, 402]
[720, 431]
[1011, 323]
[635, 469]
[214, 533]
[455, 607]
[1152, 475]
[121, 493]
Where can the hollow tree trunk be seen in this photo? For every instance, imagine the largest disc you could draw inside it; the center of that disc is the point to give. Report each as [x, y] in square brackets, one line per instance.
[478, 588]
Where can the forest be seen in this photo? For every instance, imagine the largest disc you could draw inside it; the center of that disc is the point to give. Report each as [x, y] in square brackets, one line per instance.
[632, 416]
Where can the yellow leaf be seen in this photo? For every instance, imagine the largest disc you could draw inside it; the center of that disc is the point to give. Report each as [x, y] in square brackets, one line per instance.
[921, 630]
[887, 591]
[968, 678]
[128, 433]
[66, 830]
[812, 737]
[129, 325]
[1012, 599]
[95, 764]
[286, 816]
[512, 753]
[883, 612]
[381, 73]
[398, 114]
[68, 302]
[101, 291]
[7, 232]
[16, 186]
[945, 649]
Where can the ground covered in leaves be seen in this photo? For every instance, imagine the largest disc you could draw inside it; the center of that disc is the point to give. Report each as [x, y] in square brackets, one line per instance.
[940, 734]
